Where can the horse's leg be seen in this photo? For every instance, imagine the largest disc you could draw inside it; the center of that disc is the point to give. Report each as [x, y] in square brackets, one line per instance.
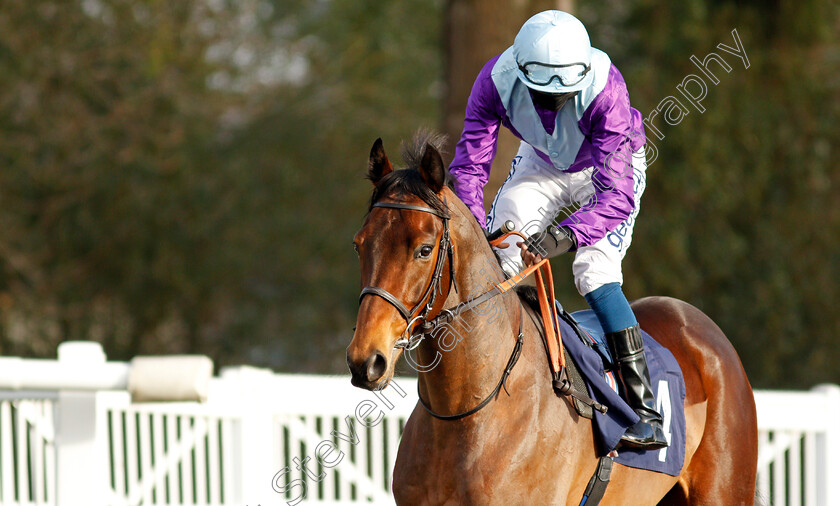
[722, 468]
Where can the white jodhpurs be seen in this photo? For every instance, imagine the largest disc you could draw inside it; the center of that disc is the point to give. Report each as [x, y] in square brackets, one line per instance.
[533, 195]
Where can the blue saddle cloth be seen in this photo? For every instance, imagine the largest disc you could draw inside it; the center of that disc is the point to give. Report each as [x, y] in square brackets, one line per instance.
[668, 388]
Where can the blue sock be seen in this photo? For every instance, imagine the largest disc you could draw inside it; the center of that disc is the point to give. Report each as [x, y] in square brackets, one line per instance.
[611, 307]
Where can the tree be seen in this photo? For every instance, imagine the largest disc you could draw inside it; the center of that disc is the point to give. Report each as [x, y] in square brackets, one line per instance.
[737, 217]
[474, 32]
[118, 210]
[187, 177]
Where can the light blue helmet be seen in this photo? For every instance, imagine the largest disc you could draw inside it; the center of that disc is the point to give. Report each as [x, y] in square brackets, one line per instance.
[553, 53]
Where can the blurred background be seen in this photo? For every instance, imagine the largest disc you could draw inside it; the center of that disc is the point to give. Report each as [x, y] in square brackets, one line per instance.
[186, 177]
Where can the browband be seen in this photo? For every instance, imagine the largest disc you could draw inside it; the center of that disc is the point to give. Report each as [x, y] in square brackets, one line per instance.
[396, 205]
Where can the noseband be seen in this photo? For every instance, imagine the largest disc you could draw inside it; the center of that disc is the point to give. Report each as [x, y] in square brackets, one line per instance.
[415, 317]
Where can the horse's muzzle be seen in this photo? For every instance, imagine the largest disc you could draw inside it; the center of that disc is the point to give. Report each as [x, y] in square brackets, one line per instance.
[366, 374]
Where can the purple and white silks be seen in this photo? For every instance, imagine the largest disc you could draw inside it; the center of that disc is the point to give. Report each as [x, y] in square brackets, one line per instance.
[603, 133]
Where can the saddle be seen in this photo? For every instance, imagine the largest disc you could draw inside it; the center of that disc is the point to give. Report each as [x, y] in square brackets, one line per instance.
[588, 367]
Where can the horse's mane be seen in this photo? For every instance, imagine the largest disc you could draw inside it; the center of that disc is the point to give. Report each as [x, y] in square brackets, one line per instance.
[408, 181]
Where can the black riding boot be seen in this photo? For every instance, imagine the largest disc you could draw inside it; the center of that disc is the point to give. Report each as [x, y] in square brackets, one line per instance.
[629, 353]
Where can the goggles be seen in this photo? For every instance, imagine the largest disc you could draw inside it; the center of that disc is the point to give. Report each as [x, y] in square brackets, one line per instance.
[541, 74]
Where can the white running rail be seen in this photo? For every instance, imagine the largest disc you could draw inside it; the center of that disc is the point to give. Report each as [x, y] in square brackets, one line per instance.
[799, 446]
[273, 439]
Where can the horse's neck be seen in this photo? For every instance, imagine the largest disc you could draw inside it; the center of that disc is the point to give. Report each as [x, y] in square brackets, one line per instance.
[467, 356]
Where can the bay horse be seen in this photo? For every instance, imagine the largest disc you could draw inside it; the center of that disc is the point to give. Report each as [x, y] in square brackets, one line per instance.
[422, 252]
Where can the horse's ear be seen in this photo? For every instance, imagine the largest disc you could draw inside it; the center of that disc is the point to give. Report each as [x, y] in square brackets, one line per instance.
[432, 170]
[378, 166]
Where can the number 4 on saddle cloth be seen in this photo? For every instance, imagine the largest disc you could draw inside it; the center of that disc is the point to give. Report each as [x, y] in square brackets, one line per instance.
[585, 344]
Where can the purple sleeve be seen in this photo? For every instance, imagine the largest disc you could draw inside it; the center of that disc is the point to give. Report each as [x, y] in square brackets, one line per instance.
[476, 149]
[612, 132]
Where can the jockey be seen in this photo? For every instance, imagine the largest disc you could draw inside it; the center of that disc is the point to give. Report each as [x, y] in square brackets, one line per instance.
[574, 184]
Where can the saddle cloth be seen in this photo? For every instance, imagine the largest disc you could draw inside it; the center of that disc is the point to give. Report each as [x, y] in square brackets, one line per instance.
[668, 388]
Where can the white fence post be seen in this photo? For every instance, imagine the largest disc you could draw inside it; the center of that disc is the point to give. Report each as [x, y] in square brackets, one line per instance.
[80, 432]
[828, 448]
[81, 472]
[248, 389]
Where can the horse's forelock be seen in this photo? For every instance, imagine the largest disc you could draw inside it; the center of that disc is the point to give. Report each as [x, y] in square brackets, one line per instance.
[405, 182]
[412, 151]
[408, 181]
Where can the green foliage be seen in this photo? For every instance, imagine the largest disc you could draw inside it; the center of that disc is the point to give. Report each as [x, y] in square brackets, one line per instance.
[374, 71]
[738, 217]
[187, 176]
[106, 138]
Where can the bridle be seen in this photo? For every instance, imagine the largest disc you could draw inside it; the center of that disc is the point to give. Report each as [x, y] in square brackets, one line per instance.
[427, 301]
[409, 341]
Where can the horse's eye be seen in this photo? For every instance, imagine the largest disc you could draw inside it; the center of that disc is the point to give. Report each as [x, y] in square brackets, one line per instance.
[425, 251]
[356, 248]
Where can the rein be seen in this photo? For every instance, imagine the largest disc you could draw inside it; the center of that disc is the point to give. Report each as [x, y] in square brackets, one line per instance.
[514, 358]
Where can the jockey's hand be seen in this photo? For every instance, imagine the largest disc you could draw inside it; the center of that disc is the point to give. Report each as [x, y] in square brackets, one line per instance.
[527, 257]
[549, 243]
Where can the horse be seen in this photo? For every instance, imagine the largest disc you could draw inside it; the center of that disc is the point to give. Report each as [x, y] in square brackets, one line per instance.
[422, 253]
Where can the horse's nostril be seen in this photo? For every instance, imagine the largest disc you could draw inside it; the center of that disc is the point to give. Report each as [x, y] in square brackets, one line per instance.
[376, 366]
